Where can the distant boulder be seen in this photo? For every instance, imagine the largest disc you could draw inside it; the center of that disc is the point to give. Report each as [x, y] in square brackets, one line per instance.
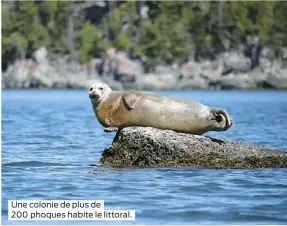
[41, 54]
[152, 81]
[118, 66]
[191, 69]
[236, 62]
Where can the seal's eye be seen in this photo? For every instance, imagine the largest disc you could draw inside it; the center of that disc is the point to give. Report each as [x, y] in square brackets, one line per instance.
[101, 88]
[91, 89]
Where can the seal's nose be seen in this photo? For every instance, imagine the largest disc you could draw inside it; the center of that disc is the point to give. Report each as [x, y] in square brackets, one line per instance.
[92, 95]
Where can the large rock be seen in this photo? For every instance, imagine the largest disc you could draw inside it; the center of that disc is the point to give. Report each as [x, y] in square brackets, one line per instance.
[190, 70]
[254, 79]
[212, 71]
[197, 83]
[41, 55]
[18, 74]
[127, 70]
[118, 66]
[276, 78]
[165, 69]
[150, 147]
[235, 61]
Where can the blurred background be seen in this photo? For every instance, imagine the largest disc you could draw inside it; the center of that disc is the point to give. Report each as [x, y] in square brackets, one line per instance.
[145, 44]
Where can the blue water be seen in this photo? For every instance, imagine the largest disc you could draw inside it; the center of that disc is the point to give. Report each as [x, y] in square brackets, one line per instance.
[50, 139]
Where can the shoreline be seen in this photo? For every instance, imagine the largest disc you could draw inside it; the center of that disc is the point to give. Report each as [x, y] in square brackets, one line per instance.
[231, 71]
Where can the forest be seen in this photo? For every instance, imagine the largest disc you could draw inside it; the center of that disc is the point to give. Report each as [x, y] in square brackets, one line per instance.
[153, 30]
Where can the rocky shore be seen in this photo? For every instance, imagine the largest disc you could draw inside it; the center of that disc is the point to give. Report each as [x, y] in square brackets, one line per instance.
[150, 147]
[231, 70]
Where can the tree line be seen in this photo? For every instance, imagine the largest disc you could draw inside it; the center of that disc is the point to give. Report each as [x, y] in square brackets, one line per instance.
[152, 30]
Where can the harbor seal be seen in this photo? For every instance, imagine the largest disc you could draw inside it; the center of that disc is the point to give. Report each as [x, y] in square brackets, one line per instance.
[116, 110]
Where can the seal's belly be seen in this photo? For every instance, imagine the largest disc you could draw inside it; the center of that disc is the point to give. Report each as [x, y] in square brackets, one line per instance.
[182, 116]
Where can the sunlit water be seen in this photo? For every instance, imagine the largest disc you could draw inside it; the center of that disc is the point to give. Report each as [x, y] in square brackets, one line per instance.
[51, 138]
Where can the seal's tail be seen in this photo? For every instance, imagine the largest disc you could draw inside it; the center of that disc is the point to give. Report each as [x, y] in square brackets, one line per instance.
[219, 113]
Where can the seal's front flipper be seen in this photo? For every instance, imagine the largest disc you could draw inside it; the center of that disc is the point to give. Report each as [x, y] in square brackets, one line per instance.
[130, 100]
[110, 129]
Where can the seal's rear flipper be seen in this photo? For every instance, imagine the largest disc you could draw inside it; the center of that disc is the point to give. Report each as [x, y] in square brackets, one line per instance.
[220, 116]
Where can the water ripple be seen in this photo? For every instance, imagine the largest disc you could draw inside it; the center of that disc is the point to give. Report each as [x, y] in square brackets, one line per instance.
[32, 164]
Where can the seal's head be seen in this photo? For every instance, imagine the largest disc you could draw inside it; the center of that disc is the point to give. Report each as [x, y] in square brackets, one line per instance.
[98, 92]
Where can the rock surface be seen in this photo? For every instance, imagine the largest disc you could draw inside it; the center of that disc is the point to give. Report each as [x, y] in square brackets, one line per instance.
[150, 147]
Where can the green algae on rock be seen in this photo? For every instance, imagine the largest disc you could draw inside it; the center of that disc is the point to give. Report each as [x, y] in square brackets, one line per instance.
[150, 147]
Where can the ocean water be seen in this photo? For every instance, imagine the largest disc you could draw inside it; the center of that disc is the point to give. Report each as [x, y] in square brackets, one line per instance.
[50, 138]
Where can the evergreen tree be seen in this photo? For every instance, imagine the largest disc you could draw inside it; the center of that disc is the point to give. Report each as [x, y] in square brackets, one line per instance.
[172, 31]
